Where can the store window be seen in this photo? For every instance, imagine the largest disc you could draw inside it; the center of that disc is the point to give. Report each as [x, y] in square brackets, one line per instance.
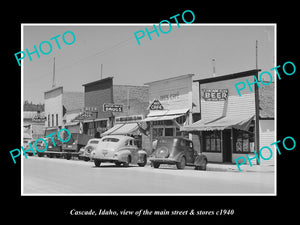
[181, 120]
[56, 119]
[243, 141]
[52, 115]
[169, 131]
[212, 141]
[48, 120]
[157, 132]
[91, 129]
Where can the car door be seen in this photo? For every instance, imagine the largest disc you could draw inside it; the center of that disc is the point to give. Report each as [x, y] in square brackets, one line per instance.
[189, 152]
[130, 147]
[134, 151]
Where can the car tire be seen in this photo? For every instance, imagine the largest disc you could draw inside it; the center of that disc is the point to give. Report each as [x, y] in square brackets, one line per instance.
[155, 164]
[180, 165]
[86, 159]
[142, 164]
[118, 163]
[68, 156]
[203, 167]
[97, 163]
[126, 164]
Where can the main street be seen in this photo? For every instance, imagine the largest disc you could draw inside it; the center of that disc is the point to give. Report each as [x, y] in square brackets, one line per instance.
[60, 176]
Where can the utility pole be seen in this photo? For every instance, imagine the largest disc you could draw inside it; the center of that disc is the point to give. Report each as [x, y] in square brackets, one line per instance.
[53, 81]
[101, 70]
[256, 54]
[214, 67]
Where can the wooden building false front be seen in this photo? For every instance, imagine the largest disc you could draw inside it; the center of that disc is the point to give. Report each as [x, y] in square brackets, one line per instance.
[229, 124]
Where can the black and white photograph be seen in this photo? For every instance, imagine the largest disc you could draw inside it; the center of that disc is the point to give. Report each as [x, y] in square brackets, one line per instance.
[164, 117]
[120, 119]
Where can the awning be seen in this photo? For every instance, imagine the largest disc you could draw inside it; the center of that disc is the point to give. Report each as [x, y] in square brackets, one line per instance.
[159, 115]
[167, 112]
[227, 122]
[122, 129]
[71, 123]
[159, 118]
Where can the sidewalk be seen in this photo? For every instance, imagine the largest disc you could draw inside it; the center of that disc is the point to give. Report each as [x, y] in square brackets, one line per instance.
[244, 168]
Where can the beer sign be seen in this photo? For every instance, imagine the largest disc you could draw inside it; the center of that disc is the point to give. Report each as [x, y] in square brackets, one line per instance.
[215, 94]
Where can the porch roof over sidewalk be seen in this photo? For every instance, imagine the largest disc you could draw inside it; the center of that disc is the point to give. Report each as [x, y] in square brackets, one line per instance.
[221, 123]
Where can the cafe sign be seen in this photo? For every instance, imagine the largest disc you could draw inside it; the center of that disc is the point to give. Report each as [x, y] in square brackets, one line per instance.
[215, 94]
[155, 105]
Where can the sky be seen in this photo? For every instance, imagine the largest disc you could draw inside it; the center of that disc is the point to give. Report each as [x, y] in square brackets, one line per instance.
[188, 49]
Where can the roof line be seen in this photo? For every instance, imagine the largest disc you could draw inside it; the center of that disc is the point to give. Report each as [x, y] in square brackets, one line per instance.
[228, 76]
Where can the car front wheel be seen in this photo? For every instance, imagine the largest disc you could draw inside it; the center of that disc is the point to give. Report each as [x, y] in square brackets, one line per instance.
[144, 162]
[155, 164]
[203, 166]
[180, 165]
[97, 163]
[126, 164]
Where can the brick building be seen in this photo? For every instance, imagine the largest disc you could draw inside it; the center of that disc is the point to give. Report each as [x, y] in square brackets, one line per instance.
[97, 120]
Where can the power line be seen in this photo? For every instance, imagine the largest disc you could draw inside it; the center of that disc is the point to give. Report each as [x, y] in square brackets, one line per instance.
[82, 60]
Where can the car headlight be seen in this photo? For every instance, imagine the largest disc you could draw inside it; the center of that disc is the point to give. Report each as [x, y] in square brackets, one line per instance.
[89, 149]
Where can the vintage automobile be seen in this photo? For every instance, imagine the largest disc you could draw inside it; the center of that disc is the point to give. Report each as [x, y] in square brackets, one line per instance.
[85, 152]
[179, 151]
[77, 141]
[118, 149]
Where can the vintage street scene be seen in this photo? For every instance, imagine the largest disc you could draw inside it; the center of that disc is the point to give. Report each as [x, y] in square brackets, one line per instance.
[103, 115]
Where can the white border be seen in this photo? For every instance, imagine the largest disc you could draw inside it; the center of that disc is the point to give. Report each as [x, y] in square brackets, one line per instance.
[151, 24]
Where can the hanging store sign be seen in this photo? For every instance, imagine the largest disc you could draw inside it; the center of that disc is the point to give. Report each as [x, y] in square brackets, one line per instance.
[39, 118]
[126, 119]
[155, 105]
[109, 107]
[215, 94]
[91, 108]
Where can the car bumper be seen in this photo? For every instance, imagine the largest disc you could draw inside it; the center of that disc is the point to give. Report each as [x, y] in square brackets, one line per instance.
[54, 149]
[111, 160]
[163, 160]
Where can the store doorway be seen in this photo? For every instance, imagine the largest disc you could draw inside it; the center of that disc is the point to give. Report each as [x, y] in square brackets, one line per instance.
[227, 148]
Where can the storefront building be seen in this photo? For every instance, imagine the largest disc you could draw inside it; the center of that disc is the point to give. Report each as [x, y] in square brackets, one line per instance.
[33, 121]
[229, 124]
[171, 106]
[60, 108]
[134, 102]
[111, 109]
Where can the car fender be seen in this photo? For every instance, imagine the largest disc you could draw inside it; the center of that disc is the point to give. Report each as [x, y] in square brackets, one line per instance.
[123, 154]
[141, 155]
[142, 152]
[178, 156]
[199, 160]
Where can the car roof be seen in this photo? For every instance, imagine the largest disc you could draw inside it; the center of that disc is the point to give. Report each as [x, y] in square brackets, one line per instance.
[121, 137]
[95, 139]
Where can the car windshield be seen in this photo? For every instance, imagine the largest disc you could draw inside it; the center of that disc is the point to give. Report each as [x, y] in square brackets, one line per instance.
[94, 142]
[110, 140]
[168, 142]
[73, 138]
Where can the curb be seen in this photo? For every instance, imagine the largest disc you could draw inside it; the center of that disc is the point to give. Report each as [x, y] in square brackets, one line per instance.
[232, 168]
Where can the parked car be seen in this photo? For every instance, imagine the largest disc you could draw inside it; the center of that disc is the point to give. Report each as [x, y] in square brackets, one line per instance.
[179, 151]
[77, 141]
[118, 149]
[85, 152]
